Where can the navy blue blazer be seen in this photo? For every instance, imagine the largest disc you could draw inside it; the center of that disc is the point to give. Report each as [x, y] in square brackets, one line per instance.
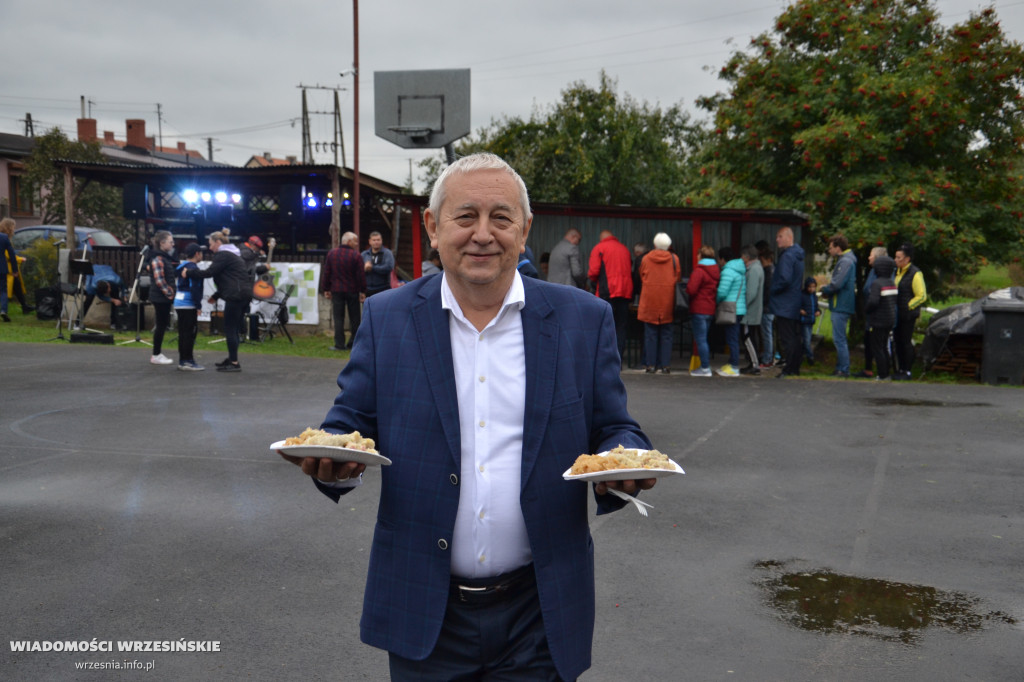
[399, 388]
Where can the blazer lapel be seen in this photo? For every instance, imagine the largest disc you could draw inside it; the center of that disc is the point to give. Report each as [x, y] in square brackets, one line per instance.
[435, 344]
[540, 340]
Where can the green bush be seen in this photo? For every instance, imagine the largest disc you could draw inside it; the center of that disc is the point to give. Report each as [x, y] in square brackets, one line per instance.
[40, 267]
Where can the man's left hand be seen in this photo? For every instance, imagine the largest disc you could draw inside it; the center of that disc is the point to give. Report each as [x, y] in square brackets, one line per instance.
[630, 487]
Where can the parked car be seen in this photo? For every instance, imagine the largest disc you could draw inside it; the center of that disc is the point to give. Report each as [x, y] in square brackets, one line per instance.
[90, 236]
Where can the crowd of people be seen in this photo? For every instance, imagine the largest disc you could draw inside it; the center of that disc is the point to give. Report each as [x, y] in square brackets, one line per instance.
[763, 312]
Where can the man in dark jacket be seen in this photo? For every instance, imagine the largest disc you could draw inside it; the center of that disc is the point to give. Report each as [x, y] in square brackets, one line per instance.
[787, 281]
[379, 263]
[343, 283]
[234, 287]
[880, 313]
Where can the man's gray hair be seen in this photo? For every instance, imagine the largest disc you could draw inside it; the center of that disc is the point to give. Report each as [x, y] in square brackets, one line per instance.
[349, 237]
[478, 162]
[879, 251]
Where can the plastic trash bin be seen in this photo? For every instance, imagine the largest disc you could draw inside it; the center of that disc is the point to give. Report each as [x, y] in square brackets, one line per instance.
[1002, 358]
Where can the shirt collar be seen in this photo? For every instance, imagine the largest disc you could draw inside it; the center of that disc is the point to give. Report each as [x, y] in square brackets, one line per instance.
[515, 298]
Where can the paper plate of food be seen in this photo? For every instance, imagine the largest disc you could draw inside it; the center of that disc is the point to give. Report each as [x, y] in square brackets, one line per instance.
[622, 464]
[341, 447]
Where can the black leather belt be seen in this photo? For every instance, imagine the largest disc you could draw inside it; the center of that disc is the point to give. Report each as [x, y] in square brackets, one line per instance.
[484, 591]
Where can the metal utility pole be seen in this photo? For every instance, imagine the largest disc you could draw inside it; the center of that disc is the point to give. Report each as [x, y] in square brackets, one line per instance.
[29, 128]
[209, 148]
[307, 145]
[355, 76]
[160, 126]
[339, 137]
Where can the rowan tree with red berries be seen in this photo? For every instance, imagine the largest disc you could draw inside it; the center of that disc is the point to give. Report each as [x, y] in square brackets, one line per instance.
[879, 123]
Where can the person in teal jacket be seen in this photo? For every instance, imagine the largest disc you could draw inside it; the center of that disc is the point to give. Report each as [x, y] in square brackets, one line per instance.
[732, 287]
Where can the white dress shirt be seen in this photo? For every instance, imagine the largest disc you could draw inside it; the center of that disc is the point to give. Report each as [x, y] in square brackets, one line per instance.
[490, 381]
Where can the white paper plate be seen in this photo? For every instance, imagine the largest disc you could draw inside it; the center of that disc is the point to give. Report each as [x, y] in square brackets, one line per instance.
[335, 452]
[623, 474]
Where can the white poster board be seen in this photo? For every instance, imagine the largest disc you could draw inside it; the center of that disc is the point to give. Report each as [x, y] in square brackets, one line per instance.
[303, 305]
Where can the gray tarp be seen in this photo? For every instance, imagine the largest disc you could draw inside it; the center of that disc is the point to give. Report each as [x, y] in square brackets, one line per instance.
[963, 318]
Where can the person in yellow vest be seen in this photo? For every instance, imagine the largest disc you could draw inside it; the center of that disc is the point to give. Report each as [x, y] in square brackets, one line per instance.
[10, 271]
[911, 294]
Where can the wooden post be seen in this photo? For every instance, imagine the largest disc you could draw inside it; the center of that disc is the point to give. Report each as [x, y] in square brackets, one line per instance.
[69, 207]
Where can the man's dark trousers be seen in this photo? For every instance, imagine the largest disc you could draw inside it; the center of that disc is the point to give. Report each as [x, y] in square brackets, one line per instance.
[789, 337]
[340, 301]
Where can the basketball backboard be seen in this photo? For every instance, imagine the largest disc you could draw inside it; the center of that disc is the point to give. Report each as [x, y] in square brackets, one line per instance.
[424, 109]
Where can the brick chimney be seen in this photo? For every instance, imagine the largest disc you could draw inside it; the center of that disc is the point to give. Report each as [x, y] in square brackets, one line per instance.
[108, 137]
[181, 148]
[86, 130]
[136, 133]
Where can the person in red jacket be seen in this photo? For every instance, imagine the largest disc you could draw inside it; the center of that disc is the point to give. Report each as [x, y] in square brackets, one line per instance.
[611, 271]
[702, 288]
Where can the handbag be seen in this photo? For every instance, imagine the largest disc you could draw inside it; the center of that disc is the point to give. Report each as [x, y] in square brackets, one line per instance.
[682, 297]
[725, 312]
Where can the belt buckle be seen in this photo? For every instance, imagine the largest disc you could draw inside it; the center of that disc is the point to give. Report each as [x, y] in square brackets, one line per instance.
[477, 591]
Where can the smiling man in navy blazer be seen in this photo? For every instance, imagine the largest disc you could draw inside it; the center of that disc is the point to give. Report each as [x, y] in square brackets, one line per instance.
[482, 387]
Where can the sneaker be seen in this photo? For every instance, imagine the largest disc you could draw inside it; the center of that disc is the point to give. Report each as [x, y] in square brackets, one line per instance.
[230, 367]
[190, 366]
[841, 375]
[160, 360]
[764, 366]
[666, 370]
[223, 363]
[865, 374]
[4, 316]
[649, 370]
[727, 371]
[701, 372]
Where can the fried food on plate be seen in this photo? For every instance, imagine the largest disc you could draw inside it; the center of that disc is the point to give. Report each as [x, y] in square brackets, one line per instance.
[352, 441]
[621, 458]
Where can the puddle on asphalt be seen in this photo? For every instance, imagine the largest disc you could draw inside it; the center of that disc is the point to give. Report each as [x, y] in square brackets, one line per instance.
[827, 602]
[914, 402]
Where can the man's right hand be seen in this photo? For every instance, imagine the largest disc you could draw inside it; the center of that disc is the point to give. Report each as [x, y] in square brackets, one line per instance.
[326, 469]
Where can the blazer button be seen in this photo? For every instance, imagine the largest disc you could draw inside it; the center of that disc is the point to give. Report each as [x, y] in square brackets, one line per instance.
[454, 479]
[442, 543]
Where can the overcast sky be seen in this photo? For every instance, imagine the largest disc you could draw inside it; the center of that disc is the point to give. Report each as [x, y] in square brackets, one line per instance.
[231, 70]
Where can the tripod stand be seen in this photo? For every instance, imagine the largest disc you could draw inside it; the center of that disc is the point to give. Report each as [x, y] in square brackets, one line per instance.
[82, 268]
[134, 298]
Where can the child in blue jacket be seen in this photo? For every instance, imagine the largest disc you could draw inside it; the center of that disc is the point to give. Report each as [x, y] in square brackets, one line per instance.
[809, 312]
[188, 301]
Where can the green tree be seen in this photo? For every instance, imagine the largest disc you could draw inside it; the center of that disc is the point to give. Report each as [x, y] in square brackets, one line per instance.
[592, 147]
[879, 123]
[96, 205]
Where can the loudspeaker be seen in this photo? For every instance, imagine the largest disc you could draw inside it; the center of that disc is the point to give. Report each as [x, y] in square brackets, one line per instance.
[218, 216]
[136, 200]
[290, 202]
[48, 303]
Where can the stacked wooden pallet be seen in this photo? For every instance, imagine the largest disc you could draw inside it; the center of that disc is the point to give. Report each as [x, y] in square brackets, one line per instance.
[962, 355]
